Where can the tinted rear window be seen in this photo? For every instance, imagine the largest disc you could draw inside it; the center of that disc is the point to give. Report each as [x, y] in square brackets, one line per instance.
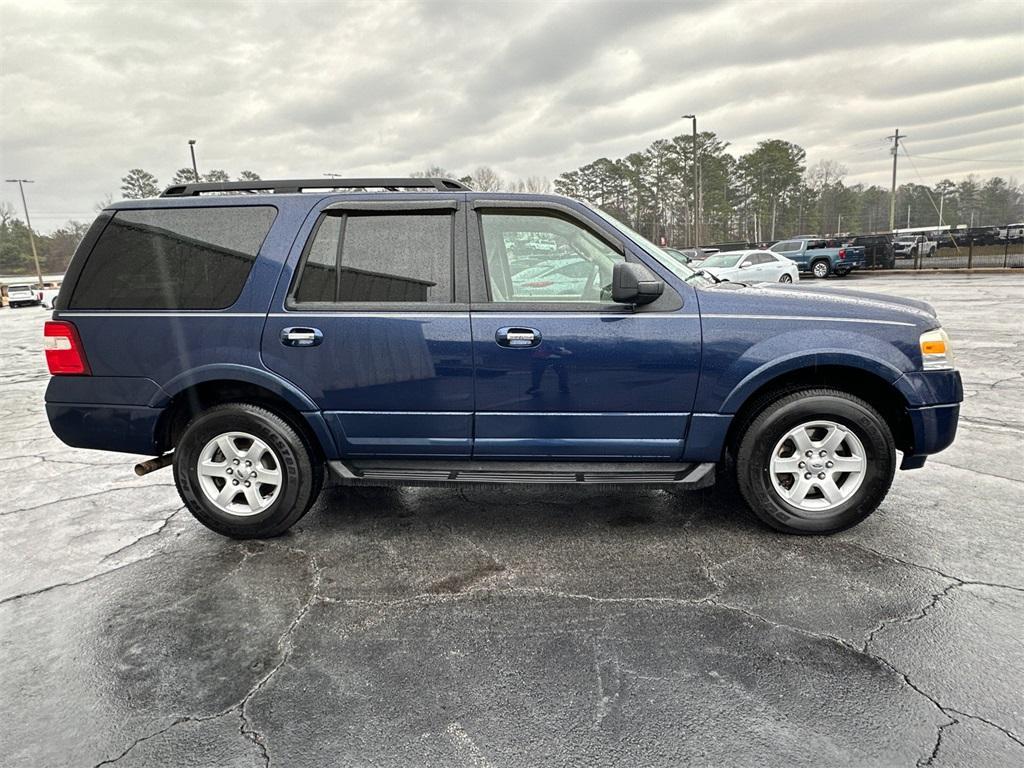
[379, 258]
[173, 258]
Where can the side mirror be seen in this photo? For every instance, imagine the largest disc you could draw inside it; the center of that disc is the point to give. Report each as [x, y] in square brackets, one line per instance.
[745, 264]
[635, 284]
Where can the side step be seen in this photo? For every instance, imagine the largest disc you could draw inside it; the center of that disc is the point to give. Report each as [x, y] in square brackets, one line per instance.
[431, 472]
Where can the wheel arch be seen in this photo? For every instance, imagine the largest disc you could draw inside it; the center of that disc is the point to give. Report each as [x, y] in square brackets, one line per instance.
[188, 401]
[867, 383]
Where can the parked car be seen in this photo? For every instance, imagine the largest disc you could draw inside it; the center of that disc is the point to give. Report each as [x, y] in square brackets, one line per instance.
[751, 267]
[1012, 232]
[688, 255]
[878, 250]
[47, 296]
[21, 296]
[380, 337]
[818, 257]
[910, 247]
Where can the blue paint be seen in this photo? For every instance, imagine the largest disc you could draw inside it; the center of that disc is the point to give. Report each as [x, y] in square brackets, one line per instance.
[597, 382]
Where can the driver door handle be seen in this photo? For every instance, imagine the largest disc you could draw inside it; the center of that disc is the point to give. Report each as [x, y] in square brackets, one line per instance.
[517, 337]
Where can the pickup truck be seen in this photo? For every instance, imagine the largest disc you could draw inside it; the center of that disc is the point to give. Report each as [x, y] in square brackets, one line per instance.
[912, 247]
[815, 256]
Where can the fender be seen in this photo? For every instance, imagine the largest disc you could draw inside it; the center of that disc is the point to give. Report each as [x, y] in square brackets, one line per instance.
[832, 357]
[232, 372]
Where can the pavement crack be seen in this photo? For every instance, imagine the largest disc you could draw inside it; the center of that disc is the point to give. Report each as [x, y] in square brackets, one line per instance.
[65, 499]
[1005, 731]
[920, 614]
[930, 569]
[163, 524]
[284, 644]
[52, 587]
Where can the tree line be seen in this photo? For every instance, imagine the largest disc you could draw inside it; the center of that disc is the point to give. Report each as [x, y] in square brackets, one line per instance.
[770, 193]
[766, 194]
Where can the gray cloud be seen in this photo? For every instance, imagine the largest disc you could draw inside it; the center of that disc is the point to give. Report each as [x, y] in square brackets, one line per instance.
[89, 90]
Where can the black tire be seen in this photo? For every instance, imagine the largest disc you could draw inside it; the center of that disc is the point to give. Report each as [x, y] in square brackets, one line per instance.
[825, 271]
[770, 421]
[300, 462]
[786, 278]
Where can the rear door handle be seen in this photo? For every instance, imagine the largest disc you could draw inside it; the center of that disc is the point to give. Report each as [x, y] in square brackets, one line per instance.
[301, 337]
[517, 338]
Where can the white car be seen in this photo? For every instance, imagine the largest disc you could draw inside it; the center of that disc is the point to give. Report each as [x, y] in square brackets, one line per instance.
[47, 296]
[751, 267]
[21, 296]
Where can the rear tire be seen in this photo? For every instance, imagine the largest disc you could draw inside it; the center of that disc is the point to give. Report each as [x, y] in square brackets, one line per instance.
[275, 473]
[826, 493]
[821, 268]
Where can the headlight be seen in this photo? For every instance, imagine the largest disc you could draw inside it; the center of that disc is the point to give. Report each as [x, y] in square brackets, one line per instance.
[936, 354]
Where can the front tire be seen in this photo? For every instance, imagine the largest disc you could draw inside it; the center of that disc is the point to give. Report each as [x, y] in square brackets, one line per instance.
[786, 278]
[245, 472]
[815, 461]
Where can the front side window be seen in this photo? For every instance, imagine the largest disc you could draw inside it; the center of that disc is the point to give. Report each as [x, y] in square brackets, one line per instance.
[378, 258]
[533, 257]
[173, 258]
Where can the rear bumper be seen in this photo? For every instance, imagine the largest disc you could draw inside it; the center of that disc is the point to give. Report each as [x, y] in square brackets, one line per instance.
[121, 428]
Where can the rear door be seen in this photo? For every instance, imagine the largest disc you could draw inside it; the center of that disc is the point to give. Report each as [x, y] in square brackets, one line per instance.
[561, 370]
[374, 325]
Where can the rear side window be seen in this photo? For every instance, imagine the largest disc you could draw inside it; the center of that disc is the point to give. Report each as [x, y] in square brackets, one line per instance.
[173, 258]
[378, 259]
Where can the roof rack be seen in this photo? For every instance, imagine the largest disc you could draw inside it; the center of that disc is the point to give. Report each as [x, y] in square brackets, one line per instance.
[285, 186]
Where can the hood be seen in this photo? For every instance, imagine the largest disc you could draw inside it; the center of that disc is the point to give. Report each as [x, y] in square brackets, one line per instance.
[813, 300]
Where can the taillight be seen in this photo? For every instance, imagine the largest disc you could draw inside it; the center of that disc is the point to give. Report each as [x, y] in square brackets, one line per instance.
[842, 253]
[64, 352]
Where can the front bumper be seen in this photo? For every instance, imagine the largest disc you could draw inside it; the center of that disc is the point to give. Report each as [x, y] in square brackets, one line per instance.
[934, 410]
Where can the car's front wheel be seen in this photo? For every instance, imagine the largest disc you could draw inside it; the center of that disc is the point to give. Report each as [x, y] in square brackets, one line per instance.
[815, 461]
[786, 278]
[245, 472]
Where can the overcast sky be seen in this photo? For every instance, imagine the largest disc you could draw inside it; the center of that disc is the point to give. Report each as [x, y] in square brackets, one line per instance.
[89, 90]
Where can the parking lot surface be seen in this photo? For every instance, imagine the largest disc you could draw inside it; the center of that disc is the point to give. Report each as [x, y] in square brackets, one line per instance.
[524, 627]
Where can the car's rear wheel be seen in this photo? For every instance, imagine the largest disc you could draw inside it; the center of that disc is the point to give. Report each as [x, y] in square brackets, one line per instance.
[821, 268]
[786, 278]
[815, 461]
[245, 472]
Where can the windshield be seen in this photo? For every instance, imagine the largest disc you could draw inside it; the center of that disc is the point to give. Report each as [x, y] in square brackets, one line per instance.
[722, 260]
[19, 288]
[674, 266]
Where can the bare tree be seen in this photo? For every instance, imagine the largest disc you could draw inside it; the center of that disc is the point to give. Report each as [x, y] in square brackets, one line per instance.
[485, 179]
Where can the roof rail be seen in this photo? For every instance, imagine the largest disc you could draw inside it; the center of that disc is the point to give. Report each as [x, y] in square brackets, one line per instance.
[284, 186]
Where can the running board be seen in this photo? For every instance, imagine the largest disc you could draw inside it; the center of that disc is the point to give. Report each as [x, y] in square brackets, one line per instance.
[432, 472]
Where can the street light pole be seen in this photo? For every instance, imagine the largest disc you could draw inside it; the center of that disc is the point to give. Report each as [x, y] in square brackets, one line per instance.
[31, 238]
[696, 185]
[192, 150]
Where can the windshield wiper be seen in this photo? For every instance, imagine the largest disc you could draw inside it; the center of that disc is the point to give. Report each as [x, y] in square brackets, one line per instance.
[703, 273]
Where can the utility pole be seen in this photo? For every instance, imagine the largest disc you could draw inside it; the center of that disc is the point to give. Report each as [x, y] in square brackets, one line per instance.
[696, 184]
[908, 215]
[839, 226]
[192, 149]
[892, 199]
[942, 201]
[28, 222]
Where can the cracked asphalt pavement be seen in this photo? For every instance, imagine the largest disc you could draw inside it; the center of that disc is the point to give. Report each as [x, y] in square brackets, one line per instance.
[520, 627]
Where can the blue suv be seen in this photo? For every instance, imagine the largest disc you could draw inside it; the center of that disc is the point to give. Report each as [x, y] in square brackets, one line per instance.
[262, 335]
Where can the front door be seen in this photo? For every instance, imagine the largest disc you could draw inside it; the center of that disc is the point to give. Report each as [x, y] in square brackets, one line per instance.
[375, 327]
[561, 371]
